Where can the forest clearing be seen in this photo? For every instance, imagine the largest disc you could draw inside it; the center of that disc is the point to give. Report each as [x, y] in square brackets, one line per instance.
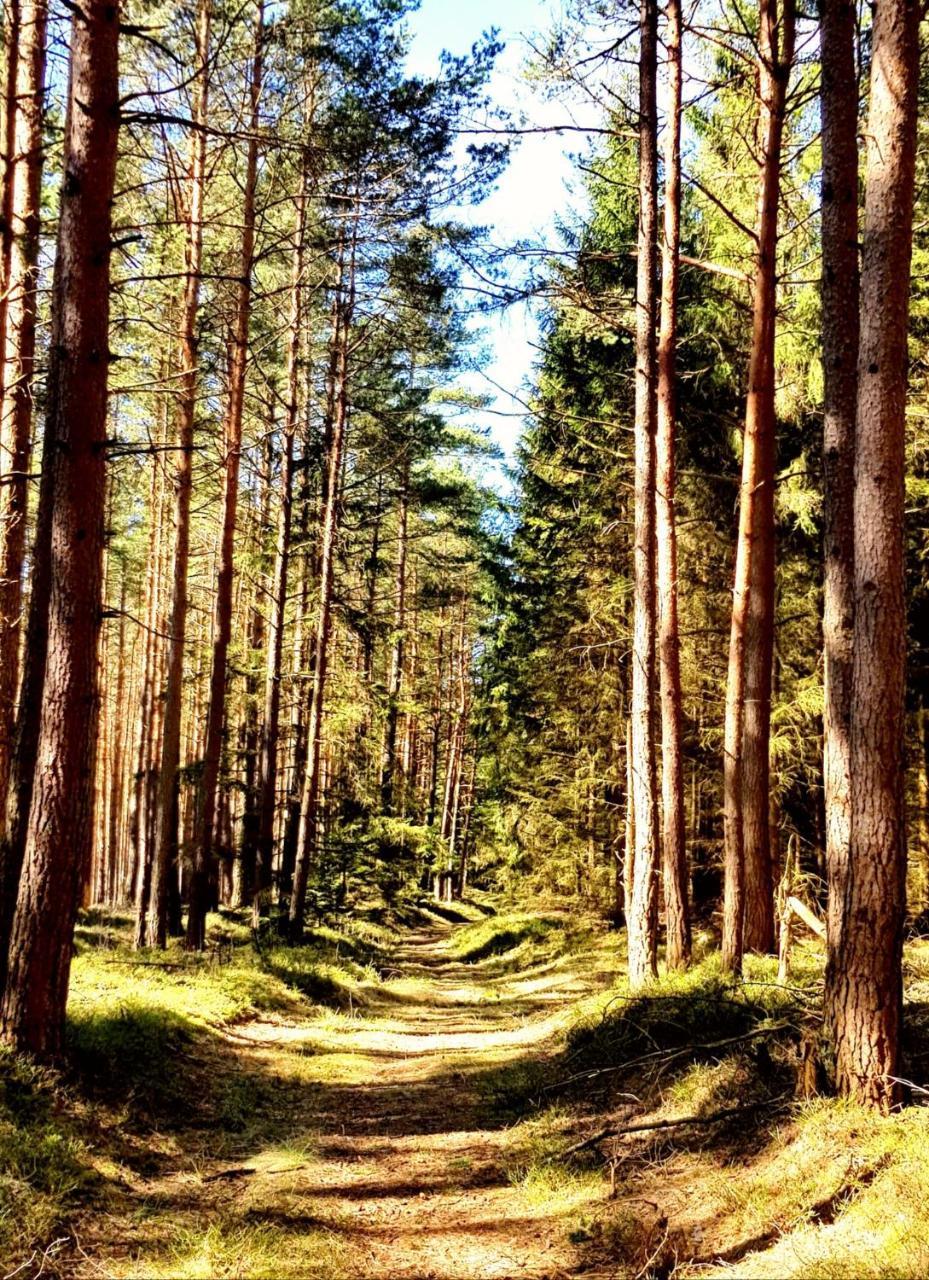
[464, 685]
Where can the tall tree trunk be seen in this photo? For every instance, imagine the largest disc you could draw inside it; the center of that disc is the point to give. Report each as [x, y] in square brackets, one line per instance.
[8, 113]
[629, 832]
[23, 156]
[866, 989]
[674, 851]
[60, 822]
[307, 838]
[643, 918]
[154, 930]
[918, 888]
[395, 677]
[748, 909]
[142, 817]
[18, 331]
[433, 790]
[840, 301]
[232, 449]
[275, 648]
[245, 859]
[117, 777]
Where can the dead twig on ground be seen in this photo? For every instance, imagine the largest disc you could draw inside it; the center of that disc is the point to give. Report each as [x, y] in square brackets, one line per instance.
[782, 1100]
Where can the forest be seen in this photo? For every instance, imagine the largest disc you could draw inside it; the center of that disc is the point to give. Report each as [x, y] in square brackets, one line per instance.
[446, 833]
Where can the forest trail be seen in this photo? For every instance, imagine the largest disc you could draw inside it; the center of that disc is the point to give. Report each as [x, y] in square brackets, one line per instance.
[370, 1144]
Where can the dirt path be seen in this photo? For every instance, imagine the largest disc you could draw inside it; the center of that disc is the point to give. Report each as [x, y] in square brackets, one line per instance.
[369, 1143]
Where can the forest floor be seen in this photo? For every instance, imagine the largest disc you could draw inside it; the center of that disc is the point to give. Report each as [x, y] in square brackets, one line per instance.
[219, 1121]
[372, 1149]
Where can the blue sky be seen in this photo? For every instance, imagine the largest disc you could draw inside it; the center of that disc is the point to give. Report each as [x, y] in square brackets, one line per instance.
[532, 191]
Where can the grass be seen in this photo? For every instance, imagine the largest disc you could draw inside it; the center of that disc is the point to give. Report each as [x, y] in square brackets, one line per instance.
[819, 1189]
[44, 1163]
[523, 935]
[140, 1026]
[807, 1188]
[229, 1247]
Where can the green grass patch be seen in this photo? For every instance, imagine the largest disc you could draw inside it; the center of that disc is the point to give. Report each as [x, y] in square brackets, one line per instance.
[496, 935]
[236, 1248]
[43, 1160]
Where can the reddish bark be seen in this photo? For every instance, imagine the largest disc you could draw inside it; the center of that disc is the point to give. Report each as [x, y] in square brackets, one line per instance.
[60, 824]
[840, 300]
[232, 449]
[866, 996]
[748, 907]
[642, 918]
[308, 833]
[17, 332]
[674, 850]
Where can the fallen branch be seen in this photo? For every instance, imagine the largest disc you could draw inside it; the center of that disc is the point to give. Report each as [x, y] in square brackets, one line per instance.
[783, 1100]
[245, 1172]
[812, 921]
[668, 1055]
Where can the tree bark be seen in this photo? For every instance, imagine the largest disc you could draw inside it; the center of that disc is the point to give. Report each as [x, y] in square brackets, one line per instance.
[866, 994]
[19, 332]
[840, 302]
[143, 816]
[23, 157]
[60, 822]
[629, 833]
[11, 27]
[918, 887]
[674, 851]
[232, 449]
[642, 920]
[748, 908]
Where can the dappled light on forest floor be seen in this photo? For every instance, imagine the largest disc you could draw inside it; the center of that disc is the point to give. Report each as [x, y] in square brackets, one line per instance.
[386, 1159]
[523, 1114]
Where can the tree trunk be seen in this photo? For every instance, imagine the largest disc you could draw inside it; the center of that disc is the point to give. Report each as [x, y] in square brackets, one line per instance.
[22, 127]
[245, 872]
[60, 822]
[395, 678]
[275, 649]
[18, 332]
[677, 910]
[642, 919]
[748, 909]
[11, 29]
[309, 804]
[153, 930]
[232, 449]
[840, 302]
[629, 834]
[145, 753]
[866, 993]
[918, 887]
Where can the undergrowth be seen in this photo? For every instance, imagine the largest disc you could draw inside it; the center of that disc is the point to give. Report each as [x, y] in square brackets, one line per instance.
[44, 1162]
[767, 1183]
